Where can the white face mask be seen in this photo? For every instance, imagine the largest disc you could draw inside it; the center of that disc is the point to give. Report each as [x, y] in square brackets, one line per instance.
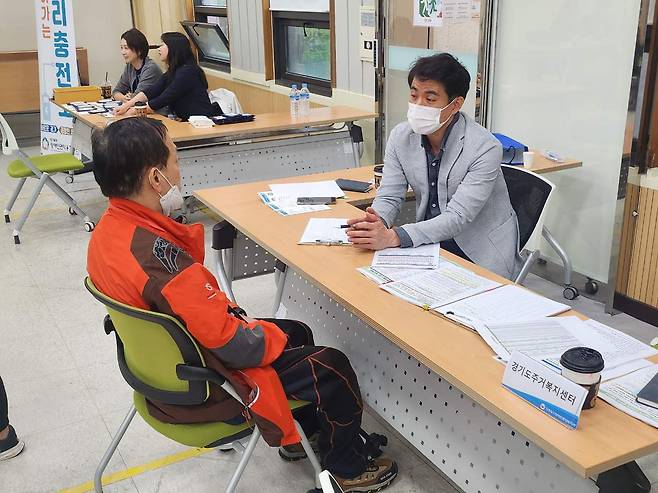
[172, 200]
[426, 120]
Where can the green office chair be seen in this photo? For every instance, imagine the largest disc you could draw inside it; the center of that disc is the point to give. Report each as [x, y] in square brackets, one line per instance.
[42, 168]
[161, 361]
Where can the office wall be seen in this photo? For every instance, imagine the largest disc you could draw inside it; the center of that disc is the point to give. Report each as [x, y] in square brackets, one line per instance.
[246, 35]
[98, 26]
[352, 73]
[561, 82]
[154, 17]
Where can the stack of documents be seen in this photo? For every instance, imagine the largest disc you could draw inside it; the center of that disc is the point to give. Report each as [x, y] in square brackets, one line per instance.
[394, 264]
[291, 191]
[422, 257]
[621, 393]
[546, 339]
[508, 303]
[324, 231]
[438, 287]
[288, 207]
[282, 197]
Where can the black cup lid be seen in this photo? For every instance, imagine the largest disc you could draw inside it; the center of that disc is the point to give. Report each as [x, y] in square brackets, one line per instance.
[582, 360]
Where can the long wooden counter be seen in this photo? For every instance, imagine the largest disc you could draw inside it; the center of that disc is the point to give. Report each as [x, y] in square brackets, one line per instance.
[263, 124]
[605, 437]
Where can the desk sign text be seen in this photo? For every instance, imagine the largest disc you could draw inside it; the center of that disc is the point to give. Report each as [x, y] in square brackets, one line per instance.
[546, 390]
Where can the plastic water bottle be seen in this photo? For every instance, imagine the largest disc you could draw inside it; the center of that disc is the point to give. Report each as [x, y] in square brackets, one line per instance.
[304, 100]
[294, 101]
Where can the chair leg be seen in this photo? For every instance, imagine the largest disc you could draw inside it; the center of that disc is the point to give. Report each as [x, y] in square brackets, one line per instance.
[280, 284]
[227, 257]
[66, 198]
[310, 454]
[14, 196]
[98, 477]
[246, 455]
[529, 262]
[562, 253]
[43, 179]
[222, 257]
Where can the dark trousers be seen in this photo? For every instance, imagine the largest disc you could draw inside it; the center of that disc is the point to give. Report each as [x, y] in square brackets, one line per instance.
[4, 408]
[324, 377]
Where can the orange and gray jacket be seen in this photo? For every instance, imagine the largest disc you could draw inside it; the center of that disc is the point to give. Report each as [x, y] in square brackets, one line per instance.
[144, 259]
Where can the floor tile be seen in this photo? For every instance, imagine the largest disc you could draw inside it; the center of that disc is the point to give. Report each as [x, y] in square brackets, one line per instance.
[47, 402]
[141, 443]
[58, 457]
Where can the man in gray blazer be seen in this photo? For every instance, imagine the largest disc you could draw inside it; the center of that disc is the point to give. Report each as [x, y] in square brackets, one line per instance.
[453, 167]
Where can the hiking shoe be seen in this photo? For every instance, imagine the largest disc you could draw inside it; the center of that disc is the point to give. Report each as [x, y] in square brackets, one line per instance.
[11, 446]
[295, 452]
[378, 475]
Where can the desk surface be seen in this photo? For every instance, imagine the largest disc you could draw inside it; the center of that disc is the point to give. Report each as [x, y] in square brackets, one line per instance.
[264, 122]
[543, 165]
[457, 354]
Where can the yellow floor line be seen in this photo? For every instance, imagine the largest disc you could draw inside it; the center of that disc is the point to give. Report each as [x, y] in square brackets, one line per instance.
[137, 470]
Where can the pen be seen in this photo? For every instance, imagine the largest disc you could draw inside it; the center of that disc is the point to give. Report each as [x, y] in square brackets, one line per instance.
[343, 226]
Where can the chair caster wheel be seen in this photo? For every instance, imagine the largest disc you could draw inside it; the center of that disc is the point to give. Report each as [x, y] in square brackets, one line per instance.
[72, 211]
[89, 226]
[69, 179]
[570, 293]
[17, 240]
[7, 220]
[591, 286]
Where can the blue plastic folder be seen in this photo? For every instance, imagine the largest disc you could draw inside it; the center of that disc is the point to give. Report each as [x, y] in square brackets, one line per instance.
[512, 149]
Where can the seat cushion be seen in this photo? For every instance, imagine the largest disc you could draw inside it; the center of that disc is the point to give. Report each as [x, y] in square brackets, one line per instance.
[192, 435]
[197, 434]
[50, 163]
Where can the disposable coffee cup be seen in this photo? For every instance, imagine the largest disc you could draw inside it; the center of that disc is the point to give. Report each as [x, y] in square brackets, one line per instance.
[583, 365]
[379, 172]
[528, 159]
[106, 91]
[140, 109]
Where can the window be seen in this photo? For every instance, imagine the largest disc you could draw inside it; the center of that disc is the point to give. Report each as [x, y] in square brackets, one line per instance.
[302, 50]
[213, 44]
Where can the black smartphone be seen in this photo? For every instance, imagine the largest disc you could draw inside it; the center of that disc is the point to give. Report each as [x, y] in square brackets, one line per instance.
[353, 185]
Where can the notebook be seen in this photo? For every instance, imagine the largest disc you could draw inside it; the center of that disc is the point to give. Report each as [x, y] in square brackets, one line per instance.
[649, 394]
[324, 231]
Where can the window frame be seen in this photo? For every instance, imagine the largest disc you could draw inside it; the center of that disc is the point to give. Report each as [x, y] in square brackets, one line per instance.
[281, 20]
[201, 14]
[203, 59]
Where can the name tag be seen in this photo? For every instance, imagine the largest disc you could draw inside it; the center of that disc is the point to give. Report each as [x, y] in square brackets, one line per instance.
[546, 390]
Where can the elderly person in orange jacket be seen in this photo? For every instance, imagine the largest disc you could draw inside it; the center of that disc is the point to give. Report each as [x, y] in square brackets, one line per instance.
[140, 256]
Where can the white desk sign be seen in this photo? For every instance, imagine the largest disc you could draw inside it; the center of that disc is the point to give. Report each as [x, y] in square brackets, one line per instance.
[549, 392]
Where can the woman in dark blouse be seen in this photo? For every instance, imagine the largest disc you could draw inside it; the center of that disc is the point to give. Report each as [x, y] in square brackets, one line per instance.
[183, 87]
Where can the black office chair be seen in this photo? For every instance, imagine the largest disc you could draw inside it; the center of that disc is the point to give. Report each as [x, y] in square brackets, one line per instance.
[529, 194]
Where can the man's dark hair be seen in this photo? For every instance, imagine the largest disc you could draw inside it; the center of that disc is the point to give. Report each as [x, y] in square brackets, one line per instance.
[137, 42]
[124, 150]
[444, 69]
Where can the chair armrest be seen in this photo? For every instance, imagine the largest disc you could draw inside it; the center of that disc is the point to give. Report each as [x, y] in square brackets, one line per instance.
[223, 235]
[108, 326]
[194, 373]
